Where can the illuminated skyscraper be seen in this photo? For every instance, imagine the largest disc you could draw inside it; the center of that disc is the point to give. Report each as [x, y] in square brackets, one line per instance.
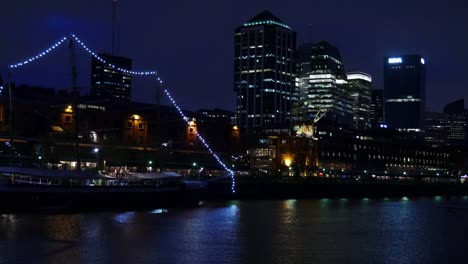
[377, 110]
[264, 72]
[322, 83]
[360, 89]
[107, 82]
[405, 92]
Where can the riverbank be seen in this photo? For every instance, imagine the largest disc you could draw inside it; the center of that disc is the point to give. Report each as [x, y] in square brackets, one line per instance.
[251, 188]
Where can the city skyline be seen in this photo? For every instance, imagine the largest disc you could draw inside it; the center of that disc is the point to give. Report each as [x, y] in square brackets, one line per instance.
[178, 61]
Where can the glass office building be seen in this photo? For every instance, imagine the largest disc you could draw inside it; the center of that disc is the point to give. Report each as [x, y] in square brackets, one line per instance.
[405, 92]
[264, 72]
[322, 82]
[109, 83]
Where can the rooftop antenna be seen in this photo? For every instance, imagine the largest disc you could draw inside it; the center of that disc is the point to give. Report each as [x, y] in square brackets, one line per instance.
[310, 32]
[114, 3]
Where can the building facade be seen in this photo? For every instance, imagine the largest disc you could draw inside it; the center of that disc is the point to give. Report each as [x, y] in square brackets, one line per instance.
[107, 82]
[456, 117]
[377, 108]
[448, 127]
[264, 72]
[405, 92]
[322, 83]
[360, 89]
[435, 128]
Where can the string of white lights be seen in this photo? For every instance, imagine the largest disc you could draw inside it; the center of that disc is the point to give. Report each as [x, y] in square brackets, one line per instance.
[94, 54]
[186, 119]
[42, 54]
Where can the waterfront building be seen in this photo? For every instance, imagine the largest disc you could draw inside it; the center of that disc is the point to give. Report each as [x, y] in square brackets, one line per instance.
[456, 117]
[322, 83]
[405, 92]
[126, 133]
[360, 89]
[108, 82]
[377, 108]
[217, 126]
[435, 128]
[448, 127]
[264, 72]
[342, 154]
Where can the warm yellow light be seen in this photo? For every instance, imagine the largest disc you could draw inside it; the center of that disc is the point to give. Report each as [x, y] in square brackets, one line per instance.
[136, 117]
[287, 162]
[69, 109]
[235, 127]
[191, 123]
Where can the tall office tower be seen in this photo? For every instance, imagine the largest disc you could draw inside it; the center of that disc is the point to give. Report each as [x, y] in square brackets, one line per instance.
[456, 122]
[264, 72]
[107, 82]
[377, 110]
[360, 89]
[405, 92]
[322, 83]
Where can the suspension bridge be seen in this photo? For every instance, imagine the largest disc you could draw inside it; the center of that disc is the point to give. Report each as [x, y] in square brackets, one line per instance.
[150, 74]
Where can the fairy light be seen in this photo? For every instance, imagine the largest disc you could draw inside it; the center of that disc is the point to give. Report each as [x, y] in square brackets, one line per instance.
[94, 54]
[91, 52]
[186, 119]
[40, 55]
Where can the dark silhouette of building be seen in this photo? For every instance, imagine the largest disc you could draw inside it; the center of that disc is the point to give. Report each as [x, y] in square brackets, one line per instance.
[360, 89]
[456, 122]
[377, 108]
[435, 128]
[323, 84]
[405, 92]
[448, 127]
[108, 82]
[126, 133]
[264, 72]
[215, 125]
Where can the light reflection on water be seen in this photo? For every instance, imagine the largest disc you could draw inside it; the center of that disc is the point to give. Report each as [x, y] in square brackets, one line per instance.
[397, 230]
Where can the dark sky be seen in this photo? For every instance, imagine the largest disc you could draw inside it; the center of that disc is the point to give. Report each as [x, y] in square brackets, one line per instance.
[190, 43]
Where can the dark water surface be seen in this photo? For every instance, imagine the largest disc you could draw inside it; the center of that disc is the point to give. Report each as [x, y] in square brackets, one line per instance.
[415, 230]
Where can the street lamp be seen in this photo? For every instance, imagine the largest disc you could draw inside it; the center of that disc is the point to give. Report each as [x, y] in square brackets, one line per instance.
[194, 165]
[150, 166]
[96, 151]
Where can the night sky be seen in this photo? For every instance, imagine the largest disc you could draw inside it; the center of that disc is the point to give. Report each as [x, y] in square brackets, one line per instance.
[190, 43]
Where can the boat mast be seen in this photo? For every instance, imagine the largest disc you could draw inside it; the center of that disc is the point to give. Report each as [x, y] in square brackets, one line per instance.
[75, 95]
[158, 125]
[10, 117]
[114, 3]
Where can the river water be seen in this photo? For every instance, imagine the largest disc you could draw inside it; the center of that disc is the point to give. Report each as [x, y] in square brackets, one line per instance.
[414, 230]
